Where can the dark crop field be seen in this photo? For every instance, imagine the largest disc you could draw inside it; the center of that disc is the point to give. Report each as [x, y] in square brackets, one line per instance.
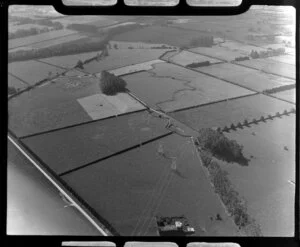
[73, 147]
[130, 189]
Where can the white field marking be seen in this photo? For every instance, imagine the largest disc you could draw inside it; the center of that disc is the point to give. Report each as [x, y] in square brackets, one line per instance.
[58, 187]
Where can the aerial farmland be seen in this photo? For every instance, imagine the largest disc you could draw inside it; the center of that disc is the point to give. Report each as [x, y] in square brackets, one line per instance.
[140, 118]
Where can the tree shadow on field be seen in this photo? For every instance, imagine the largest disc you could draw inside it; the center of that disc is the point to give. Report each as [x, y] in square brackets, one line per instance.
[178, 173]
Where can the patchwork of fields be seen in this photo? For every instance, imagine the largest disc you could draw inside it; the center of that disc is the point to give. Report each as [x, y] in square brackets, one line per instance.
[130, 156]
[179, 87]
[145, 184]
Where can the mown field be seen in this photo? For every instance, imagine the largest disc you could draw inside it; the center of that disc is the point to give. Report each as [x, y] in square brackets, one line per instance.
[233, 111]
[270, 66]
[130, 189]
[38, 38]
[267, 183]
[158, 34]
[218, 52]
[73, 147]
[171, 87]
[247, 77]
[185, 58]
[123, 57]
[289, 95]
[70, 61]
[33, 71]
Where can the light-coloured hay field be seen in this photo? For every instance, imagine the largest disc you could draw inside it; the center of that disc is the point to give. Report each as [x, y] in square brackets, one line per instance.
[134, 68]
[185, 58]
[247, 77]
[100, 106]
[33, 71]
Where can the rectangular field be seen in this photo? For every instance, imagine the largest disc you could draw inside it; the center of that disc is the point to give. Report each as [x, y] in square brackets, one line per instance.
[71, 148]
[33, 71]
[170, 87]
[58, 105]
[38, 38]
[232, 111]
[218, 52]
[134, 68]
[130, 189]
[268, 65]
[123, 57]
[267, 182]
[70, 61]
[158, 34]
[246, 77]
[56, 41]
[289, 95]
[16, 83]
[185, 58]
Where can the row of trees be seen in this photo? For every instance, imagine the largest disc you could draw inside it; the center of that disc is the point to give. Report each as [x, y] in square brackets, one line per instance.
[279, 89]
[199, 64]
[222, 147]
[269, 53]
[74, 47]
[235, 205]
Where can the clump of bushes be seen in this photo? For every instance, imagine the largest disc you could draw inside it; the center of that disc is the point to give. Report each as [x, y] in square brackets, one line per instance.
[199, 64]
[222, 147]
[111, 84]
[242, 58]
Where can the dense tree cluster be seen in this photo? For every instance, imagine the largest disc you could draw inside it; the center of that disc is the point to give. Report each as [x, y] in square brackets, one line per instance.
[111, 84]
[229, 196]
[241, 58]
[220, 146]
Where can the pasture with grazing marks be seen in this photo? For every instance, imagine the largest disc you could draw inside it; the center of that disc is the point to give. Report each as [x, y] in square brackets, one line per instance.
[146, 185]
[170, 87]
[247, 77]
